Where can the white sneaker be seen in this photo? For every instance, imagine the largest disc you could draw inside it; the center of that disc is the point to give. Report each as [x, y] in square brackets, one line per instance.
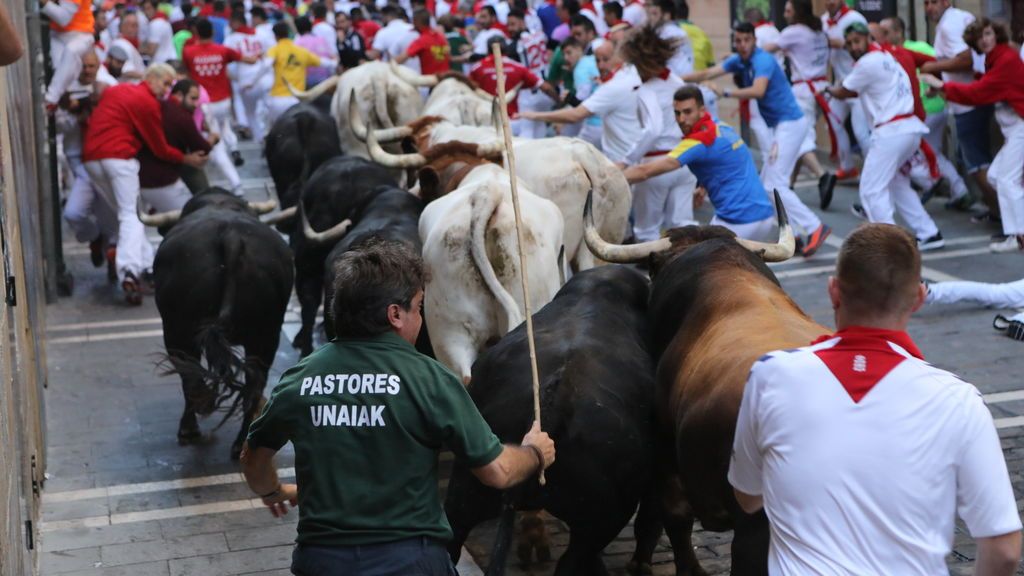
[1010, 244]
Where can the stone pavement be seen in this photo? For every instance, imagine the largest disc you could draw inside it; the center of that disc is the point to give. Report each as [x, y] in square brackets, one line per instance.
[123, 498]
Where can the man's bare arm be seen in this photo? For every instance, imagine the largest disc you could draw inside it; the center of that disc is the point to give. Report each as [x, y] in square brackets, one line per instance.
[998, 555]
[962, 62]
[648, 170]
[517, 463]
[261, 476]
[706, 74]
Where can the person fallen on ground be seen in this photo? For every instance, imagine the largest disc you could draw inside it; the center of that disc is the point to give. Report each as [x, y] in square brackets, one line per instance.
[898, 448]
[721, 162]
[368, 416]
[1008, 295]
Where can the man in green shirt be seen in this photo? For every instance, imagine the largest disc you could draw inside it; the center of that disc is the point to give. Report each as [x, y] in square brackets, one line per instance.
[368, 415]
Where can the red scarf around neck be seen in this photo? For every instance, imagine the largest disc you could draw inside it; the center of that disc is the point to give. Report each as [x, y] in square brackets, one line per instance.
[843, 11]
[704, 131]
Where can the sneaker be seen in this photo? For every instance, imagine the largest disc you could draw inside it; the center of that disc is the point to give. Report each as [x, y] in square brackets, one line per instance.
[940, 188]
[847, 174]
[132, 289]
[236, 157]
[826, 184]
[148, 284]
[1012, 243]
[961, 204]
[933, 243]
[986, 217]
[96, 250]
[816, 240]
[858, 211]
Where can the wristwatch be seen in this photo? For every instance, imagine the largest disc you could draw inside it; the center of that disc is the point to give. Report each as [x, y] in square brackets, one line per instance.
[727, 93]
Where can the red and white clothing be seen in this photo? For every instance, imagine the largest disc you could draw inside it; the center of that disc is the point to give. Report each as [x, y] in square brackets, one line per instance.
[485, 74]
[616, 102]
[634, 13]
[325, 30]
[432, 50]
[949, 42]
[208, 65]
[393, 40]
[250, 82]
[807, 52]
[533, 53]
[681, 63]
[884, 90]
[134, 63]
[71, 36]
[161, 34]
[481, 38]
[842, 64]
[834, 26]
[864, 454]
[765, 33]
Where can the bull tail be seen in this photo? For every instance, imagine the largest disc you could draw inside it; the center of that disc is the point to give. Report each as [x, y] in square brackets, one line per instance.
[483, 209]
[380, 102]
[502, 539]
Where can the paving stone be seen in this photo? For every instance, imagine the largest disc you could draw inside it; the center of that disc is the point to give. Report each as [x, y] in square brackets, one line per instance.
[144, 569]
[133, 553]
[227, 522]
[69, 560]
[266, 536]
[100, 535]
[230, 563]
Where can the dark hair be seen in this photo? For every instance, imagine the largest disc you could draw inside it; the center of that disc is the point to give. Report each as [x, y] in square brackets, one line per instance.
[392, 11]
[281, 30]
[183, 86]
[570, 42]
[356, 13]
[614, 8]
[204, 28]
[689, 92]
[238, 16]
[898, 24]
[218, 6]
[154, 3]
[744, 28]
[571, 6]
[803, 13]
[303, 25]
[421, 18]
[974, 30]
[449, 22]
[258, 12]
[666, 7]
[753, 15]
[857, 28]
[682, 10]
[489, 9]
[516, 13]
[186, 9]
[648, 51]
[319, 10]
[370, 278]
[583, 22]
[878, 271]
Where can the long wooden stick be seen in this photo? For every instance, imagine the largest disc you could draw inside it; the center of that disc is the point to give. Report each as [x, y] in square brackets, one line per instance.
[511, 157]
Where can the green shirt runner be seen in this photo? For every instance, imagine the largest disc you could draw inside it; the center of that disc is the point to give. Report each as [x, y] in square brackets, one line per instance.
[368, 418]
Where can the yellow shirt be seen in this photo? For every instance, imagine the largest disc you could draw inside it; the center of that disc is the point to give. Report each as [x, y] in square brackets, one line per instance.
[703, 52]
[290, 63]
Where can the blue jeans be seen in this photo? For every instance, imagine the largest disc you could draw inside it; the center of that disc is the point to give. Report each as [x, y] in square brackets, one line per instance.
[973, 138]
[411, 557]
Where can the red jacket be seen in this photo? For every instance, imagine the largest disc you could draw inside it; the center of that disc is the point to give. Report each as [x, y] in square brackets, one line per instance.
[1001, 82]
[127, 117]
[208, 65]
[486, 75]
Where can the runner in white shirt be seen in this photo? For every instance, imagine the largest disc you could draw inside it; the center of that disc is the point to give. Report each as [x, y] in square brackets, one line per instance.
[486, 20]
[884, 90]
[861, 453]
[661, 14]
[634, 13]
[533, 53]
[160, 39]
[392, 40]
[323, 28]
[264, 30]
[615, 102]
[834, 21]
[248, 80]
[134, 67]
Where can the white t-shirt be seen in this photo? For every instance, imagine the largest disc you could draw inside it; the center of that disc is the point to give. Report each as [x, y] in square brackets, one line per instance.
[393, 39]
[634, 13]
[481, 38]
[766, 33]
[842, 62]
[134, 62]
[807, 51]
[328, 33]
[867, 484]
[265, 34]
[681, 63]
[247, 45]
[533, 48]
[949, 41]
[161, 34]
[616, 103]
[883, 88]
[660, 130]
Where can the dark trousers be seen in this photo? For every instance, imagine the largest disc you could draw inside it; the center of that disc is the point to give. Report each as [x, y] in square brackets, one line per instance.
[194, 178]
[410, 557]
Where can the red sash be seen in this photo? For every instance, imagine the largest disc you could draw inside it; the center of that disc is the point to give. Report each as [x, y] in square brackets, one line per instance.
[926, 149]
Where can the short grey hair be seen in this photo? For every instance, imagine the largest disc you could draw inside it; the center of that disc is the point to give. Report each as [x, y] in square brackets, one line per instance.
[159, 70]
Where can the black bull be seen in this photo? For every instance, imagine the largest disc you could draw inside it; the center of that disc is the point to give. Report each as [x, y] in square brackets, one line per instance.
[597, 395]
[223, 279]
[301, 139]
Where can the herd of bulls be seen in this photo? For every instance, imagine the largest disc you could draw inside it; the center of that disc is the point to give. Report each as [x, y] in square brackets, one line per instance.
[641, 379]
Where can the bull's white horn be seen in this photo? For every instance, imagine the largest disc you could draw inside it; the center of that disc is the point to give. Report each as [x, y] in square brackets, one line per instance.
[616, 253]
[378, 155]
[419, 80]
[483, 94]
[783, 249]
[265, 207]
[317, 91]
[490, 148]
[392, 134]
[331, 234]
[159, 219]
[282, 216]
[355, 120]
[510, 94]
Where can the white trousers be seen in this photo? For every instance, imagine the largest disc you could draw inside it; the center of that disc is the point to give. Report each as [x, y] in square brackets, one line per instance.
[219, 157]
[87, 217]
[530, 101]
[787, 138]
[253, 109]
[809, 106]
[762, 133]
[66, 51]
[859, 121]
[885, 184]
[662, 203]
[117, 182]
[218, 118]
[1006, 174]
[840, 111]
[759, 231]
[1009, 295]
[920, 173]
[277, 105]
[166, 198]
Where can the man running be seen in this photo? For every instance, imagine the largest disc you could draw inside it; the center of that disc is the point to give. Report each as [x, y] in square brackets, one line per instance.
[834, 21]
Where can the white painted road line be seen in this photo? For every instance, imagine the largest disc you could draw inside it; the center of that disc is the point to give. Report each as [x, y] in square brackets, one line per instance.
[105, 337]
[997, 397]
[1011, 422]
[108, 324]
[158, 486]
[926, 272]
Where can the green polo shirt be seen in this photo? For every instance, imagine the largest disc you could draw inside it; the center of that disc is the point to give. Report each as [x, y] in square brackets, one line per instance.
[368, 418]
[932, 104]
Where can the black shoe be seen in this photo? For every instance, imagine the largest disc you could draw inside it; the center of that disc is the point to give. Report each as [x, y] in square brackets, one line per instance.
[243, 134]
[961, 204]
[148, 284]
[858, 211]
[132, 289]
[985, 217]
[96, 251]
[826, 184]
[236, 157]
[940, 188]
[933, 243]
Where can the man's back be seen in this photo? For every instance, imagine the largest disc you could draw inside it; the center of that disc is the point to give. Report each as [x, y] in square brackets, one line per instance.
[865, 454]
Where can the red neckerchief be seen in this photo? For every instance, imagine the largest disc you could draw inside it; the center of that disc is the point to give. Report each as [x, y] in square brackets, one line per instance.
[874, 47]
[863, 357]
[318, 21]
[159, 16]
[704, 131]
[843, 10]
[132, 41]
[588, 6]
[762, 23]
[664, 73]
[246, 30]
[610, 75]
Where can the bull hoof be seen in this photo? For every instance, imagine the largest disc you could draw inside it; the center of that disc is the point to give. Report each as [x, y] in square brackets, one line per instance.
[639, 568]
[189, 436]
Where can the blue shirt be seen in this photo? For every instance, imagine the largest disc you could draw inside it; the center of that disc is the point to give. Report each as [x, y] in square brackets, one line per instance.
[585, 78]
[220, 28]
[727, 171]
[549, 20]
[778, 103]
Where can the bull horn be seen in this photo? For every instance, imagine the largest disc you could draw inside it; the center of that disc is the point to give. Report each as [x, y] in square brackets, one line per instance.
[159, 219]
[616, 253]
[392, 134]
[380, 102]
[510, 95]
[483, 94]
[355, 119]
[785, 247]
[330, 235]
[282, 216]
[419, 80]
[317, 91]
[261, 208]
[378, 155]
[490, 148]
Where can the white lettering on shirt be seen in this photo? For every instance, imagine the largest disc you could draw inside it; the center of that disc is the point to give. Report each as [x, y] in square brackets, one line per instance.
[323, 415]
[351, 383]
